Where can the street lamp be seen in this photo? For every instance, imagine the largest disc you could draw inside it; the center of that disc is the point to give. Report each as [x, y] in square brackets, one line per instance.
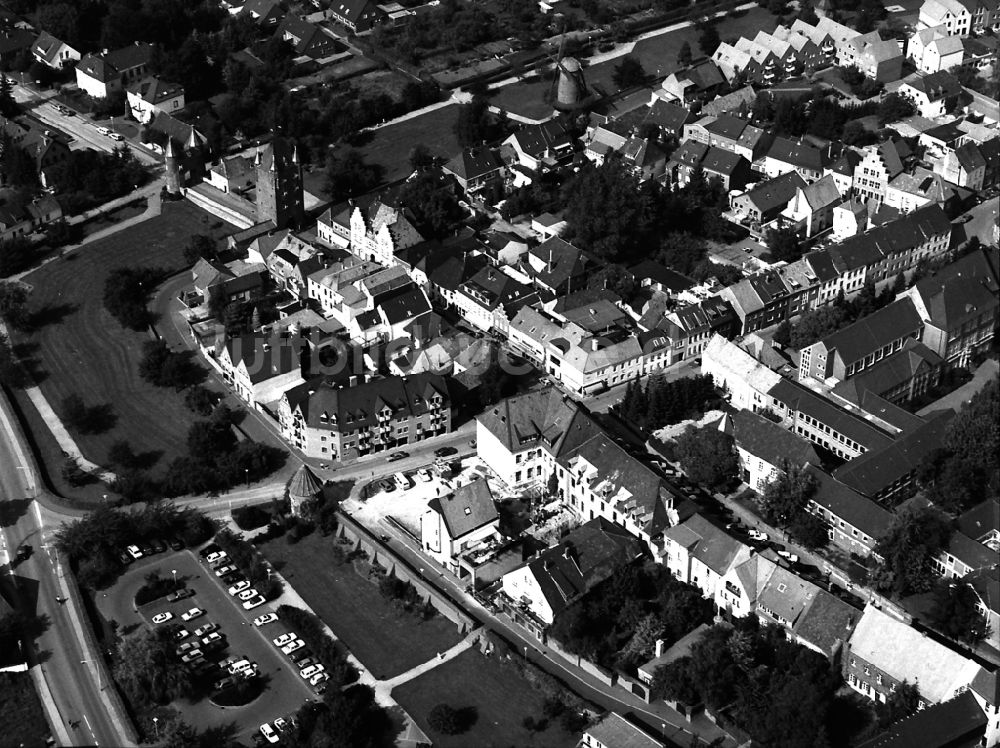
[246, 472]
[100, 677]
[525, 653]
[156, 727]
[174, 572]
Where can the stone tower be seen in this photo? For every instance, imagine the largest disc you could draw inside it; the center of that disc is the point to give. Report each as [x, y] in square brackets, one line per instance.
[173, 169]
[279, 184]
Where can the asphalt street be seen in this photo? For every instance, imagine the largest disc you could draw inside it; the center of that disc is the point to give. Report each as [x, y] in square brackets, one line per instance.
[65, 662]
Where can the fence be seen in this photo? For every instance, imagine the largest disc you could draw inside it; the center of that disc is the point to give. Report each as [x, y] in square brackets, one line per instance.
[363, 540]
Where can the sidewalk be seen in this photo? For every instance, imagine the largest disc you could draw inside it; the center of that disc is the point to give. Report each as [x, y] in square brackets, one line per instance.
[955, 400]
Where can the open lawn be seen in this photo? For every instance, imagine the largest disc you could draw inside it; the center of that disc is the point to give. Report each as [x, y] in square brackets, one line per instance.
[80, 349]
[658, 56]
[388, 641]
[494, 697]
[24, 721]
[390, 146]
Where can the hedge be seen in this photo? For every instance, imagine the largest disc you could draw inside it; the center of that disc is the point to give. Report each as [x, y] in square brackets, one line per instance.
[310, 630]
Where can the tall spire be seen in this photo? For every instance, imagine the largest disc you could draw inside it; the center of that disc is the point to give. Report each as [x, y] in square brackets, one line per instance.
[256, 160]
[170, 153]
[192, 141]
[295, 154]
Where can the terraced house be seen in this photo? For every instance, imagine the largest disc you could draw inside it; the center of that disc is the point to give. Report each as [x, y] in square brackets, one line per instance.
[343, 423]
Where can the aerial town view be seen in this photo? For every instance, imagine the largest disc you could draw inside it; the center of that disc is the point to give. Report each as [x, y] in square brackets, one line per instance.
[500, 373]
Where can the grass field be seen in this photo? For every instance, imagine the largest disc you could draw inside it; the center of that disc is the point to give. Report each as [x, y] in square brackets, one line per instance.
[390, 146]
[81, 349]
[23, 719]
[497, 697]
[386, 640]
[658, 56]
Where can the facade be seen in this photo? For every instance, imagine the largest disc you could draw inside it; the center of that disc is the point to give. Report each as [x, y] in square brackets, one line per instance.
[359, 16]
[699, 553]
[810, 212]
[854, 522]
[53, 52]
[614, 731]
[458, 523]
[344, 423]
[150, 96]
[101, 75]
[883, 652]
[765, 448]
[261, 369]
[933, 93]
[878, 166]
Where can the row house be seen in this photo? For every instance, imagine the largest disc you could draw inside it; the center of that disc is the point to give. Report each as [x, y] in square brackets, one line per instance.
[732, 134]
[379, 230]
[699, 81]
[854, 523]
[333, 227]
[877, 167]
[934, 49]
[261, 368]
[688, 328]
[857, 347]
[881, 60]
[959, 17]
[332, 287]
[915, 189]
[346, 422]
[760, 301]
[476, 168]
[933, 93]
[768, 58]
[786, 154]
[959, 307]
[899, 378]
[764, 202]
[810, 212]
[973, 165]
[490, 298]
[442, 270]
[765, 449]
[699, 553]
[731, 169]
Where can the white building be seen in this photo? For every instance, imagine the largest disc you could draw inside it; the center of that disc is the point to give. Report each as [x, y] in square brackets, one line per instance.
[458, 523]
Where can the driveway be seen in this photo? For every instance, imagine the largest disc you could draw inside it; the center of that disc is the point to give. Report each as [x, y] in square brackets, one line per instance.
[285, 691]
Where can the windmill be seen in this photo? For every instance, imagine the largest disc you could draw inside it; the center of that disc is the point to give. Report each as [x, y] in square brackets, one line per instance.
[569, 89]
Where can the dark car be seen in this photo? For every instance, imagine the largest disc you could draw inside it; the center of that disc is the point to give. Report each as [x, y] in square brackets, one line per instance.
[158, 546]
[231, 579]
[444, 451]
[175, 544]
[398, 456]
[224, 683]
[179, 595]
[124, 558]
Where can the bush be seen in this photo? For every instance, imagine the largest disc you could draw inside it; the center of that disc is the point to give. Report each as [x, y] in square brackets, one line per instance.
[241, 693]
[125, 294]
[73, 474]
[444, 719]
[251, 517]
[310, 630]
[154, 588]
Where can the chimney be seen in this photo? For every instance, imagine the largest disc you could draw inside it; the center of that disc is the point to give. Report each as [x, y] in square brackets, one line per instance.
[353, 380]
[659, 648]
[593, 344]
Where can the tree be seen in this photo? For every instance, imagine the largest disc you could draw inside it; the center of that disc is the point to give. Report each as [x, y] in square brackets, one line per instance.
[444, 719]
[62, 20]
[913, 540]
[788, 494]
[16, 254]
[817, 324]
[347, 175]
[75, 413]
[894, 107]
[14, 305]
[421, 157]
[495, 384]
[783, 333]
[433, 205]
[200, 400]
[125, 294]
[8, 107]
[628, 73]
[684, 54]
[12, 370]
[783, 244]
[708, 38]
[955, 614]
[901, 703]
[641, 645]
[198, 247]
[707, 455]
[120, 453]
[147, 670]
[809, 530]
[72, 473]
[475, 124]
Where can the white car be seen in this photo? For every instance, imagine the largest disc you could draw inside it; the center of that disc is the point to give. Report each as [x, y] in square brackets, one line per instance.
[239, 587]
[424, 474]
[185, 647]
[253, 602]
[789, 556]
[192, 614]
[280, 641]
[103, 131]
[211, 639]
[402, 481]
[318, 678]
[292, 646]
[208, 628]
[216, 556]
[239, 666]
[757, 535]
[134, 552]
[268, 732]
[309, 672]
[194, 654]
[265, 619]
[162, 617]
[280, 724]
[248, 594]
[116, 136]
[223, 570]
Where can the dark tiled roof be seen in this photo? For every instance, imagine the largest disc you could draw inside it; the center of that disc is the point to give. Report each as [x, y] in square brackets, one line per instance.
[538, 418]
[770, 442]
[869, 334]
[403, 304]
[827, 623]
[357, 407]
[722, 162]
[776, 192]
[470, 507]
[960, 291]
[796, 153]
[849, 505]
[958, 722]
[654, 271]
[133, 56]
[980, 520]
[155, 90]
[472, 163]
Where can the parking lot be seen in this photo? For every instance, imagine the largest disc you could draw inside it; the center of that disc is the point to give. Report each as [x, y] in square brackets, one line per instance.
[285, 691]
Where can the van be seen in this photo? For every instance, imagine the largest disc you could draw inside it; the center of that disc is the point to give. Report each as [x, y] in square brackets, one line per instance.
[103, 131]
[402, 481]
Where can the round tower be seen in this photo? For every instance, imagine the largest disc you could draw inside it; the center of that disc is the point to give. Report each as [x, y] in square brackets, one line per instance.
[173, 172]
[572, 89]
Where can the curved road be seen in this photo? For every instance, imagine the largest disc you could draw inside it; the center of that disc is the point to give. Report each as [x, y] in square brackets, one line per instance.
[77, 710]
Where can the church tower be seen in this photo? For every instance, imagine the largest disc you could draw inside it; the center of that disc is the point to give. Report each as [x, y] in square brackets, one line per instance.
[279, 184]
[173, 172]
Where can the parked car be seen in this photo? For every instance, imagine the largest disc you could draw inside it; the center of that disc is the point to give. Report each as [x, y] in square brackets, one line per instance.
[185, 647]
[397, 456]
[280, 641]
[280, 724]
[387, 486]
[211, 639]
[239, 587]
[192, 614]
[194, 654]
[232, 578]
[301, 662]
[760, 537]
[158, 546]
[311, 670]
[318, 678]
[217, 555]
[424, 474]
[181, 633]
[103, 130]
[175, 544]
[292, 646]
[179, 595]
[444, 451]
[238, 666]
[253, 602]
[268, 732]
[789, 556]
[247, 594]
[134, 552]
[125, 558]
[224, 683]
[223, 570]
[117, 136]
[265, 619]
[163, 617]
[402, 481]
[208, 550]
[208, 628]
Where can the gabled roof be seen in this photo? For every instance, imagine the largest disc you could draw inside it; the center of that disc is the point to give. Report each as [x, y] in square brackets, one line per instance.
[133, 56]
[905, 654]
[473, 163]
[586, 557]
[770, 442]
[154, 90]
[467, 509]
[960, 291]
[827, 623]
[614, 731]
[357, 407]
[897, 369]
[847, 504]
[739, 100]
[981, 520]
[869, 334]
[47, 47]
[797, 154]
[958, 721]
[775, 193]
[96, 67]
[542, 418]
[711, 545]
[265, 358]
[935, 86]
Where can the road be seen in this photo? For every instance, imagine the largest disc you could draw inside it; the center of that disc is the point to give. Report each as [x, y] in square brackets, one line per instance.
[60, 653]
[81, 128]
